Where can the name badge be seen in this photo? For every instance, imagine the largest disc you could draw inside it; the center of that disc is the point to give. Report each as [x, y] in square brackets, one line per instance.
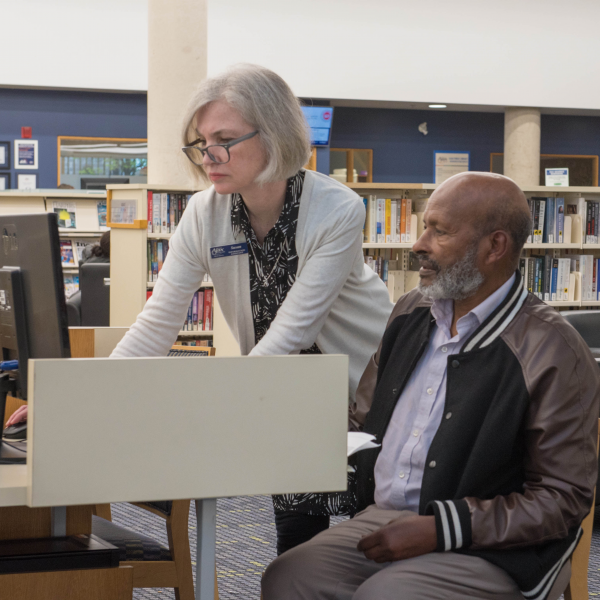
[232, 250]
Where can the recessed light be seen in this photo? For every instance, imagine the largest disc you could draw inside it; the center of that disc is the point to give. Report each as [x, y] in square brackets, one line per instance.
[437, 106]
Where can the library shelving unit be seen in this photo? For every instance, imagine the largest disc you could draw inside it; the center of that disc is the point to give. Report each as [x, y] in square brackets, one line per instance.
[420, 192]
[38, 201]
[129, 264]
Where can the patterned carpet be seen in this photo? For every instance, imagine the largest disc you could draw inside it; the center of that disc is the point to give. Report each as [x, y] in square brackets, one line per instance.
[246, 545]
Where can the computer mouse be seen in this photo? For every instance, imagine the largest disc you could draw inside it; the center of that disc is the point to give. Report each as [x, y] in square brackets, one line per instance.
[18, 431]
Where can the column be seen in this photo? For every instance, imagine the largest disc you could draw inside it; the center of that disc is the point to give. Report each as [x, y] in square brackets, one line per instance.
[177, 31]
[522, 145]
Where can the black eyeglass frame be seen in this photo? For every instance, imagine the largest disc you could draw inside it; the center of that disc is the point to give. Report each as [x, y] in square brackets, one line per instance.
[206, 150]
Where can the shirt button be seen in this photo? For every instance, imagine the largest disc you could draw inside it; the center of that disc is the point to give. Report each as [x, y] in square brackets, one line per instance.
[455, 364]
[448, 415]
[429, 391]
[395, 391]
[416, 433]
[444, 349]
[432, 464]
[401, 475]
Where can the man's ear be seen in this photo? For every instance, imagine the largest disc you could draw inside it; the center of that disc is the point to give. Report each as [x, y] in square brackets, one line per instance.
[499, 246]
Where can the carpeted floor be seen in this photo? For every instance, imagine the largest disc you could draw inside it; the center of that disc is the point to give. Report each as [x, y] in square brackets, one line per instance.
[246, 545]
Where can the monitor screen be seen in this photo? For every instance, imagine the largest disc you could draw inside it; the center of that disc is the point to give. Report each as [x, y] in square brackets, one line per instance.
[31, 242]
[319, 119]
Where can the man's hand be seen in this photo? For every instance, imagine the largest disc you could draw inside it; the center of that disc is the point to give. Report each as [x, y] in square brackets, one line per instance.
[19, 415]
[407, 536]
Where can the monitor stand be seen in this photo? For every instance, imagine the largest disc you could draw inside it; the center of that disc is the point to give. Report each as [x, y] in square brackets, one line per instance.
[9, 453]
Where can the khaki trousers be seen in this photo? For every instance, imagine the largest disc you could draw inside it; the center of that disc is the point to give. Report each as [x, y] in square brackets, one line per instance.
[329, 567]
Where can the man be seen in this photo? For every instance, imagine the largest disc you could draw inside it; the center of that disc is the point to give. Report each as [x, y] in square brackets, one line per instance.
[486, 402]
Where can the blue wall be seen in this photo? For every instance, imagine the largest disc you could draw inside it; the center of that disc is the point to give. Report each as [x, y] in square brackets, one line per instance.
[400, 152]
[54, 113]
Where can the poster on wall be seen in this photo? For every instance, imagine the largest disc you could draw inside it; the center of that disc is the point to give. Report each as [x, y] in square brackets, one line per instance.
[4, 181]
[558, 177]
[447, 164]
[27, 181]
[26, 154]
[4, 155]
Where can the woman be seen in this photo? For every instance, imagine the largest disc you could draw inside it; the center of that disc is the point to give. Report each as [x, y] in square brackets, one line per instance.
[282, 245]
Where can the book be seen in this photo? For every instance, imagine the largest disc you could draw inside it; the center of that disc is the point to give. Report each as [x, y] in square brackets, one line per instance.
[403, 221]
[67, 258]
[156, 228]
[71, 282]
[409, 220]
[164, 212]
[560, 221]
[67, 214]
[373, 219]
[367, 223]
[78, 248]
[149, 212]
[101, 211]
[549, 226]
[381, 220]
[388, 220]
[208, 300]
[394, 222]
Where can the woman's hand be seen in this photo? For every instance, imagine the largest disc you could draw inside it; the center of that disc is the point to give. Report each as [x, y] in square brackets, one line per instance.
[18, 416]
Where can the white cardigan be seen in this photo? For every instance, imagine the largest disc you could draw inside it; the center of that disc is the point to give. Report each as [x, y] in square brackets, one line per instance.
[336, 300]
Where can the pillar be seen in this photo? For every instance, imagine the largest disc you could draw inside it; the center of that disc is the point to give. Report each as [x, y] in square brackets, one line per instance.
[522, 145]
[177, 31]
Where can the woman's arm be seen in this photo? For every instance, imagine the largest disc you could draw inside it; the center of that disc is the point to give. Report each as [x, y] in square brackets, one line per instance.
[157, 326]
[306, 306]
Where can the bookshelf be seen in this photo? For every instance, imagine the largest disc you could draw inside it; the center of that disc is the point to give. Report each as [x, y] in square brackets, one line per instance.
[419, 193]
[129, 266]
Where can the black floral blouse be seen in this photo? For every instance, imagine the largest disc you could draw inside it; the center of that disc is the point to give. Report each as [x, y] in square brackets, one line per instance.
[273, 267]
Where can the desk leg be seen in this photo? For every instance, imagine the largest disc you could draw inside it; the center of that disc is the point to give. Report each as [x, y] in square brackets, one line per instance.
[59, 521]
[206, 517]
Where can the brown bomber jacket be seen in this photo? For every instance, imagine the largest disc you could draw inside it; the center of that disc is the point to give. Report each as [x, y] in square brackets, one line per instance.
[514, 469]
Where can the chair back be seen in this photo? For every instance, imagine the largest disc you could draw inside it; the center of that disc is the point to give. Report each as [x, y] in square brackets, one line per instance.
[586, 323]
[94, 284]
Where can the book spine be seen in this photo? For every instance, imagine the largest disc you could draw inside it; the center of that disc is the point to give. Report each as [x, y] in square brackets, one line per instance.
[547, 276]
[536, 220]
[200, 309]
[554, 279]
[373, 211]
[550, 217]
[149, 211]
[408, 217]
[366, 223]
[560, 220]
[403, 221]
[156, 213]
[208, 301]
[159, 252]
[163, 213]
[530, 274]
[195, 312]
[394, 219]
[171, 213]
[154, 261]
[530, 203]
[588, 223]
[536, 284]
[149, 260]
[541, 221]
[388, 220]
[522, 268]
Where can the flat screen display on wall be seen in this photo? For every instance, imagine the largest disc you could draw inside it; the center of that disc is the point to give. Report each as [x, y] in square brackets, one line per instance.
[319, 120]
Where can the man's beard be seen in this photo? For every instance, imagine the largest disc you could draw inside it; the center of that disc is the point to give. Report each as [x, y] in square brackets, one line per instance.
[455, 282]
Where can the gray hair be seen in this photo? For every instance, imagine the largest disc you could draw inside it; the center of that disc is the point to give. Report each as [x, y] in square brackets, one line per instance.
[266, 102]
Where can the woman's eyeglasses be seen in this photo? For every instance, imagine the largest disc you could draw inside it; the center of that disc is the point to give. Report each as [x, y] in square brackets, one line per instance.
[218, 153]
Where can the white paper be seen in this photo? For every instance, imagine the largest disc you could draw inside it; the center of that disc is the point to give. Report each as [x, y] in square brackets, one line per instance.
[557, 177]
[2, 155]
[358, 440]
[26, 182]
[448, 164]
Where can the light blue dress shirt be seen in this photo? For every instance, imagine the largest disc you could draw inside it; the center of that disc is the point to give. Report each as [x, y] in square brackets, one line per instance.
[420, 408]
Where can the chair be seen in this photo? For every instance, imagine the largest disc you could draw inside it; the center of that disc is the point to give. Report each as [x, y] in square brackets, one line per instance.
[153, 564]
[94, 284]
[578, 584]
[587, 325]
[74, 310]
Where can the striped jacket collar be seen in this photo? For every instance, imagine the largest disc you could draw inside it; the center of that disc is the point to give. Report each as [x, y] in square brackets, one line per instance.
[500, 318]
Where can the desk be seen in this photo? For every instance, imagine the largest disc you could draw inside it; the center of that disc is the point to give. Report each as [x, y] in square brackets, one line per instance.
[176, 428]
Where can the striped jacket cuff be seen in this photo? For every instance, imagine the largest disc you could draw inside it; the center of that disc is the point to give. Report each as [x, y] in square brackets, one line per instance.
[452, 523]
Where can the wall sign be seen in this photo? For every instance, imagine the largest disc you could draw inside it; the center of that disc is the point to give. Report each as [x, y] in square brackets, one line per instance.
[446, 164]
[26, 154]
[4, 155]
[26, 181]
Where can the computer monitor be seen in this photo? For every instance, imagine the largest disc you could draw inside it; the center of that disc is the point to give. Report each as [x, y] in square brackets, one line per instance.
[30, 243]
[100, 183]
